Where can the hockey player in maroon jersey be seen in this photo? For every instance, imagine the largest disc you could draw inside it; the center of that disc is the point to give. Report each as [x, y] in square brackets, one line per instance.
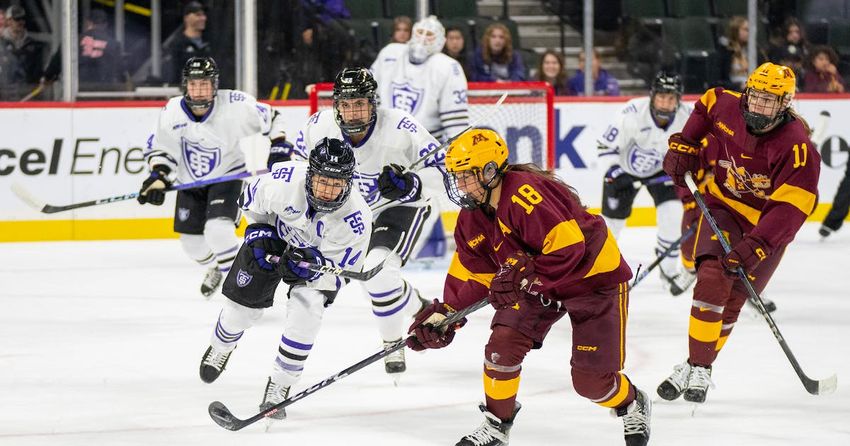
[526, 243]
[762, 186]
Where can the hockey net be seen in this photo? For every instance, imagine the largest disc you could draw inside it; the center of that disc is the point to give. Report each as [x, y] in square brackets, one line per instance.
[525, 119]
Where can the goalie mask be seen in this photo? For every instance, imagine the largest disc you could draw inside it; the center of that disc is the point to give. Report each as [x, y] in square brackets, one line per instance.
[426, 39]
[355, 100]
[665, 83]
[475, 163]
[770, 89]
[200, 97]
[329, 176]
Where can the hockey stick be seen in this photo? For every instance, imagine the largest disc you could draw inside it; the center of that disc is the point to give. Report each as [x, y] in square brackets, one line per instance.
[224, 418]
[41, 206]
[819, 131]
[333, 270]
[686, 235]
[814, 387]
[35, 92]
[664, 179]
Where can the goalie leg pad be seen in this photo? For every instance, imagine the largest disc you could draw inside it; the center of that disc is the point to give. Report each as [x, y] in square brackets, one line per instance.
[503, 358]
[247, 283]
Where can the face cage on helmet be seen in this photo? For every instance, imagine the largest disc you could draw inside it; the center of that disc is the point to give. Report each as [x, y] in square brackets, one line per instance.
[197, 104]
[758, 121]
[322, 205]
[353, 129]
[463, 199]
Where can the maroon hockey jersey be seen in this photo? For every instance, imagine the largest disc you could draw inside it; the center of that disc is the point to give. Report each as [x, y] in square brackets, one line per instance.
[573, 251]
[769, 182]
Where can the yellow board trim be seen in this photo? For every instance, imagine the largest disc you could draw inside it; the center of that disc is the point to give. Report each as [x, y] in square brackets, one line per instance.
[621, 395]
[704, 331]
[564, 234]
[499, 389]
[795, 196]
[457, 270]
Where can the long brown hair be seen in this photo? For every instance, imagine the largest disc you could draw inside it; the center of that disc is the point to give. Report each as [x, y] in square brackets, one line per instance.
[560, 78]
[507, 54]
[548, 175]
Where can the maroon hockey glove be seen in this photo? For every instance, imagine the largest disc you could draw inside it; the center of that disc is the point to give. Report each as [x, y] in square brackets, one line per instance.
[748, 253]
[508, 286]
[682, 157]
[424, 332]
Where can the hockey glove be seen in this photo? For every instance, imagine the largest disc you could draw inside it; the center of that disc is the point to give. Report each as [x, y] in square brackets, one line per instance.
[511, 281]
[682, 157]
[619, 181]
[748, 253]
[153, 188]
[263, 241]
[424, 331]
[281, 150]
[294, 274]
[397, 185]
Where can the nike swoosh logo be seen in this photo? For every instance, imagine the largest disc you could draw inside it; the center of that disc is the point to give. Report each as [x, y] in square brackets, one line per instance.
[703, 309]
[746, 157]
[496, 248]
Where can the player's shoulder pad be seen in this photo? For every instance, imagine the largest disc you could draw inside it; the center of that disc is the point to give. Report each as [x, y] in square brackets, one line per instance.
[392, 52]
[399, 120]
[635, 105]
[235, 97]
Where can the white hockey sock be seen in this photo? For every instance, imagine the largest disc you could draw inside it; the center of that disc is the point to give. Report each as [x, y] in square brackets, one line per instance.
[195, 246]
[390, 295]
[233, 320]
[221, 238]
[304, 311]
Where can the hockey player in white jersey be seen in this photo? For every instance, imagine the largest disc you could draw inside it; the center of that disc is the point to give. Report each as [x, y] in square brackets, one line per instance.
[300, 211]
[196, 138]
[418, 78]
[631, 150]
[384, 142]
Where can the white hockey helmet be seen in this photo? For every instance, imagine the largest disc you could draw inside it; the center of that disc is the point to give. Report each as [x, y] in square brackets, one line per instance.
[427, 37]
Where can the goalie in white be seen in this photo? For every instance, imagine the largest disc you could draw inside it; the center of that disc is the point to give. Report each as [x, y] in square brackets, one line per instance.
[384, 142]
[197, 137]
[631, 150]
[418, 78]
[298, 212]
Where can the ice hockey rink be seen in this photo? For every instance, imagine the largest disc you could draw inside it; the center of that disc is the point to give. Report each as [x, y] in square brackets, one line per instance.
[101, 343]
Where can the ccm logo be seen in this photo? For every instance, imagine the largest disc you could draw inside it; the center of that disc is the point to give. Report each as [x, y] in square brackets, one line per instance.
[586, 348]
[684, 148]
[258, 234]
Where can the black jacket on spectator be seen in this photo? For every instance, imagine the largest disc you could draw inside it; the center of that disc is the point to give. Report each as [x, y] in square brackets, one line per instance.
[20, 63]
[100, 63]
[178, 52]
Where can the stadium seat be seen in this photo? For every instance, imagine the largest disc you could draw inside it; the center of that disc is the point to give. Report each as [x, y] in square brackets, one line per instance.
[456, 8]
[839, 36]
[367, 32]
[729, 8]
[396, 8]
[644, 10]
[365, 9]
[463, 23]
[693, 39]
[689, 8]
[814, 10]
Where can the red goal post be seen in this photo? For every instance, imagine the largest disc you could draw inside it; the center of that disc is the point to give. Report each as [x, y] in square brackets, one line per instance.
[525, 119]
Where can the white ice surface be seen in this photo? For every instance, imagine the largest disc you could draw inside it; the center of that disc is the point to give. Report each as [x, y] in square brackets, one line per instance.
[100, 344]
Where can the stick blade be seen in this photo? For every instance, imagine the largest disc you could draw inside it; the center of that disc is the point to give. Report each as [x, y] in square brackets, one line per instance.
[823, 386]
[223, 417]
[28, 198]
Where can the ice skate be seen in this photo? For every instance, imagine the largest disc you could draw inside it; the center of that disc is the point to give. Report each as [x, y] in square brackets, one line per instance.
[211, 282]
[394, 363]
[673, 386]
[636, 418]
[677, 283]
[213, 363]
[493, 432]
[698, 384]
[274, 394]
[769, 305]
[825, 232]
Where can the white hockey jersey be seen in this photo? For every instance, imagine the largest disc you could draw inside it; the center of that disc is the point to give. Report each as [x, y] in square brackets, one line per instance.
[209, 147]
[395, 138]
[434, 92]
[279, 198]
[634, 142]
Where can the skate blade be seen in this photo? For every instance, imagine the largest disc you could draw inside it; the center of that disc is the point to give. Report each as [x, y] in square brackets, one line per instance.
[396, 379]
[270, 423]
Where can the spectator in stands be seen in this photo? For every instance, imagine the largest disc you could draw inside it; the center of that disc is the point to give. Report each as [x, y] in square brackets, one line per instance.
[101, 65]
[495, 60]
[189, 43]
[551, 70]
[401, 29]
[792, 49]
[456, 49]
[733, 54]
[21, 57]
[2, 20]
[324, 48]
[604, 84]
[821, 75]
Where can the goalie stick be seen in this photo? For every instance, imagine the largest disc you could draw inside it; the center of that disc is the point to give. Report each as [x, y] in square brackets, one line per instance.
[333, 270]
[41, 206]
[814, 387]
[224, 418]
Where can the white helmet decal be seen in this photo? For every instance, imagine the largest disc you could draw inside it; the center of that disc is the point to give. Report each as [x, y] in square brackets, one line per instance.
[427, 37]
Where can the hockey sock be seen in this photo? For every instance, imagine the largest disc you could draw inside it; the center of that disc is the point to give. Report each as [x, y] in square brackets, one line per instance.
[389, 294]
[221, 238]
[612, 389]
[503, 357]
[232, 322]
[196, 248]
[304, 311]
[711, 294]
